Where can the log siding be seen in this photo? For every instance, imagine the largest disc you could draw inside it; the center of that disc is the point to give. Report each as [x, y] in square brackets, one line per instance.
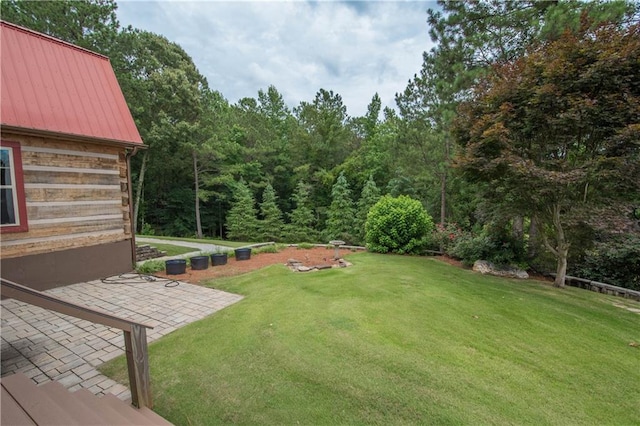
[76, 196]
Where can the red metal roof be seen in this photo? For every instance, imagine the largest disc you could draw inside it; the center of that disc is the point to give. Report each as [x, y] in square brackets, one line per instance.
[54, 86]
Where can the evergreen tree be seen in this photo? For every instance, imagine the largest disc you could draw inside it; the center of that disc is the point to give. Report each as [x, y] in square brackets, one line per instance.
[341, 213]
[271, 226]
[242, 222]
[369, 196]
[300, 228]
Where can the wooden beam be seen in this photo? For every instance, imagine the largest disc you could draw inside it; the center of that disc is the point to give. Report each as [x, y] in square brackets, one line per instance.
[138, 366]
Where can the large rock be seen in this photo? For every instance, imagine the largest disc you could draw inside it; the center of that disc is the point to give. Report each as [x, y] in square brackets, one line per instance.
[485, 267]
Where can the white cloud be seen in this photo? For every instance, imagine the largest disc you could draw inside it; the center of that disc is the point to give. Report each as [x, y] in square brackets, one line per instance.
[353, 48]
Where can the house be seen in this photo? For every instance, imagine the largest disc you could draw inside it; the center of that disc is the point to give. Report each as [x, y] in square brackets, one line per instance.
[66, 139]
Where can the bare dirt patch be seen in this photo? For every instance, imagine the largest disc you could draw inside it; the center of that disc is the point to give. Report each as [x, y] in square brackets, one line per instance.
[308, 257]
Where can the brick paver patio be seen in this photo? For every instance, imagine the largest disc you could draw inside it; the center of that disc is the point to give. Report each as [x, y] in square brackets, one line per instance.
[46, 346]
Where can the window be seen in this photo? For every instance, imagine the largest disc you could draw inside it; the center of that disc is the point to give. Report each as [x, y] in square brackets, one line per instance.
[13, 209]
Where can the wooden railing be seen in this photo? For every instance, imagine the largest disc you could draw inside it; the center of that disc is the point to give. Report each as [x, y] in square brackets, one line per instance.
[601, 287]
[135, 334]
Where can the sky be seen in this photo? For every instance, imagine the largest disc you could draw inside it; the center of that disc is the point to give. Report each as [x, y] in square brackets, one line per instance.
[355, 48]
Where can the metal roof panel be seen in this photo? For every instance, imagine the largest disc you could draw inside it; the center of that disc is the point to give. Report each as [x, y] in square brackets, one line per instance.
[54, 86]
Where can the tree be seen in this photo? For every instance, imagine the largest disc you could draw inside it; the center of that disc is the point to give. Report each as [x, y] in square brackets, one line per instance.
[369, 196]
[555, 132]
[300, 228]
[340, 220]
[471, 37]
[91, 24]
[328, 140]
[242, 221]
[167, 97]
[271, 226]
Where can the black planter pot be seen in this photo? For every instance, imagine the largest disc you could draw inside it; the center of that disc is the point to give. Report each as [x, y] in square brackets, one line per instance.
[218, 259]
[175, 266]
[199, 262]
[243, 253]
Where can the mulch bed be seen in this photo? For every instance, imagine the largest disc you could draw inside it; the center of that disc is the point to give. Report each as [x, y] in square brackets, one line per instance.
[308, 257]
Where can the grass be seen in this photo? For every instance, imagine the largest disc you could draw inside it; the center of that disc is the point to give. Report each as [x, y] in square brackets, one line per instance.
[399, 340]
[224, 243]
[172, 250]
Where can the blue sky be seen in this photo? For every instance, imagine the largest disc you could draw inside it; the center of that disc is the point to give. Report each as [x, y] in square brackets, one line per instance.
[353, 48]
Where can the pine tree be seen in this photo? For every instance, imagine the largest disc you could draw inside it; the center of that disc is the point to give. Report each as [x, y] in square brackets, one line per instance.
[242, 222]
[341, 213]
[300, 228]
[369, 196]
[271, 226]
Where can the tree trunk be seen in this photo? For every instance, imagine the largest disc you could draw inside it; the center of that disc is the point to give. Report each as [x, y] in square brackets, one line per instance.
[517, 229]
[443, 198]
[136, 206]
[532, 249]
[443, 183]
[561, 270]
[562, 249]
[197, 187]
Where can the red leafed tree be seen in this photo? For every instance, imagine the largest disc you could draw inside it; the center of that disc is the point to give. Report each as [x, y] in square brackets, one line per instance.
[556, 133]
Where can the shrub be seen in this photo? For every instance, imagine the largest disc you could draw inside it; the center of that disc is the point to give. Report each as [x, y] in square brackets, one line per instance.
[497, 248]
[271, 248]
[444, 237]
[151, 267]
[469, 248]
[397, 225]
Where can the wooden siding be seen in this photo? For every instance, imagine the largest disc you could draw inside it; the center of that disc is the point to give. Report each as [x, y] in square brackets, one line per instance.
[76, 195]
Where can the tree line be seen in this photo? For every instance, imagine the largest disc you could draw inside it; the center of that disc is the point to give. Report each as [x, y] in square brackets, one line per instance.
[518, 134]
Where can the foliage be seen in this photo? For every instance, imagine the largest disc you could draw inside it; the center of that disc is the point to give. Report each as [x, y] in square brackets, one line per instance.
[616, 260]
[271, 248]
[271, 226]
[305, 246]
[397, 225]
[151, 267]
[554, 132]
[242, 221]
[444, 237]
[301, 218]
[173, 250]
[340, 220]
[496, 247]
[147, 229]
[368, 198]
[91, 24]
[339, 347]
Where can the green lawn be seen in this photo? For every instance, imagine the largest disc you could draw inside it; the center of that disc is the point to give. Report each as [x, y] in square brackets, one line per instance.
[399, 340]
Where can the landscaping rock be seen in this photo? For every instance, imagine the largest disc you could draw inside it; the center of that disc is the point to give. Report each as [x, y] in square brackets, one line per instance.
[485, 267]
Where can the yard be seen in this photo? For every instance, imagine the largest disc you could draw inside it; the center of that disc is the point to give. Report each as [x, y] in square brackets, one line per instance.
[399, 340]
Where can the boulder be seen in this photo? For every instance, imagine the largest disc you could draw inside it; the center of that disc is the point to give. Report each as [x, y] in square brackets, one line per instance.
[485, 267]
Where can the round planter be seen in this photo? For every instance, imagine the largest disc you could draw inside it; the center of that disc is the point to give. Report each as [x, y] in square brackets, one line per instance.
[243, 253]
[218, 259]
[199, 262]
[175, 266]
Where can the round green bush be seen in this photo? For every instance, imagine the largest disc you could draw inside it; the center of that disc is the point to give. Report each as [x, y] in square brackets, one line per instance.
[397, 225]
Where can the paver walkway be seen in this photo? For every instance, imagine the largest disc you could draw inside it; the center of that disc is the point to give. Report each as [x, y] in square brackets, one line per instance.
[46, 345]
